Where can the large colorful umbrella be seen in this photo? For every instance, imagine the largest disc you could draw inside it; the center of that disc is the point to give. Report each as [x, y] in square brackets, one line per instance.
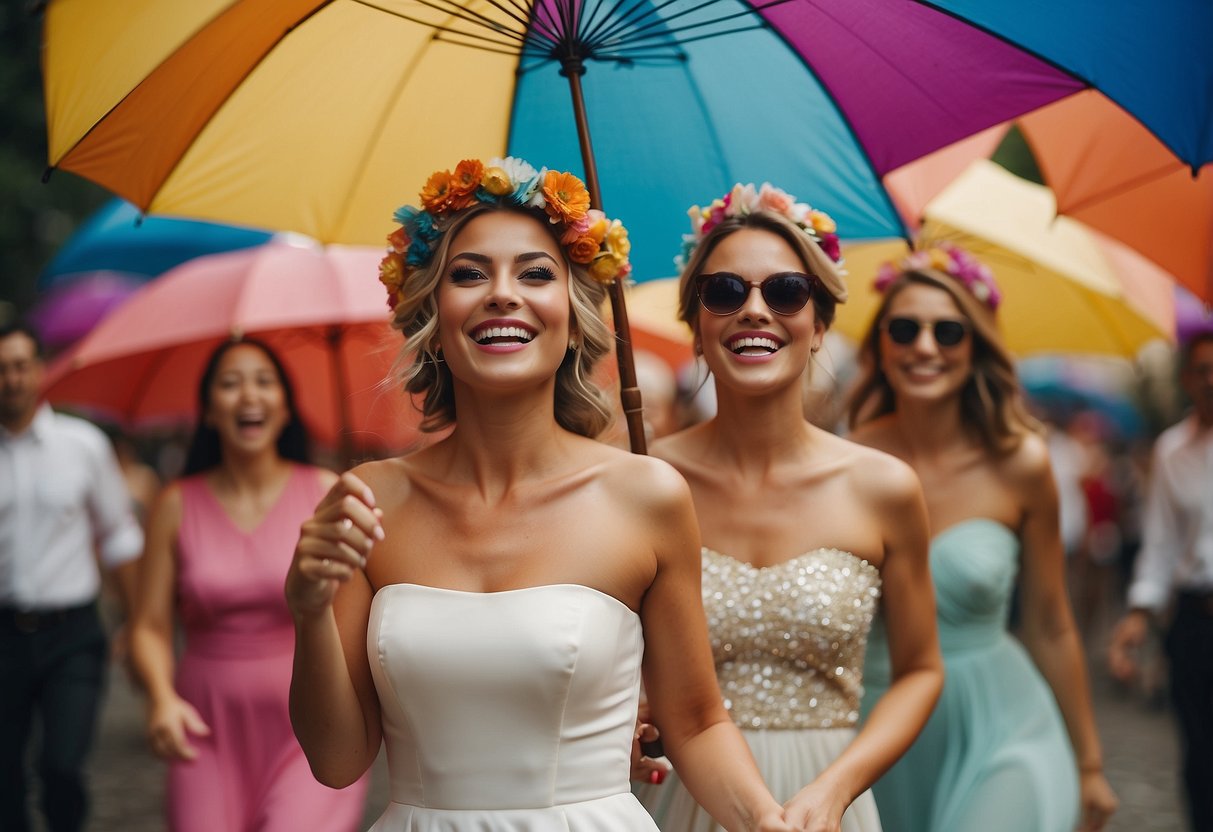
[140, 366]
[321, 116]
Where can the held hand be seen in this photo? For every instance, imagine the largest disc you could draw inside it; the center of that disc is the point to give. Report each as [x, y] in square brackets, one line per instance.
[169, 725]
[774, 821]
[1099, 802]
[647, 769]
[816, 808]
[332, 544]
[1128, 636]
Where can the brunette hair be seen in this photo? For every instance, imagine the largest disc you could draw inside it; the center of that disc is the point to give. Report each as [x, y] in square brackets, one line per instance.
[580, 405]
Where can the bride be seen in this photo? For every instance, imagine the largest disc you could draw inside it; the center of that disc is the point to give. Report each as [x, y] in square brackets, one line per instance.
[484, 604]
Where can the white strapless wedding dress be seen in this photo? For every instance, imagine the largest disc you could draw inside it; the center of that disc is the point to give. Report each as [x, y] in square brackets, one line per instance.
[507, 711]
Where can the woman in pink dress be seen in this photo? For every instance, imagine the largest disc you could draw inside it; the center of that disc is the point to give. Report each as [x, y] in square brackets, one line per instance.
[219, 542]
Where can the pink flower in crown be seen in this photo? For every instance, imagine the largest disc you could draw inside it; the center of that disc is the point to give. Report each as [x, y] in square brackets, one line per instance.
[831, 246]
[578, 227]
[717, 211]
[774, 200]
[967, 270]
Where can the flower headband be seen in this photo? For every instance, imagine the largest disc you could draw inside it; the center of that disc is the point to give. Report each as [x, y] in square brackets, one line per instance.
[588, 237]
[953, 261]
[746, 199]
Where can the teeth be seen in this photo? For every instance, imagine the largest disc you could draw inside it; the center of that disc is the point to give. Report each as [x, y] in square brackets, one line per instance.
[514, 332]
[768, 344]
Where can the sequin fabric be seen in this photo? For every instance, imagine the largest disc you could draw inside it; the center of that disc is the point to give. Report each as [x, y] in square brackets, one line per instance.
[789, 639]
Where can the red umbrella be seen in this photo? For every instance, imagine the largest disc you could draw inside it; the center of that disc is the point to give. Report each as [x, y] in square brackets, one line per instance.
[313, 304]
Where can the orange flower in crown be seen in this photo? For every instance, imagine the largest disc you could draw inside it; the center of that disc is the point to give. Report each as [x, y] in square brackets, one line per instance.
[588, 237]
[566, 195]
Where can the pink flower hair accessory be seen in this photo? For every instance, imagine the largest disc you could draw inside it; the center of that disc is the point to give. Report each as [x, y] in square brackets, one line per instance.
[953, 261]
[743, 200]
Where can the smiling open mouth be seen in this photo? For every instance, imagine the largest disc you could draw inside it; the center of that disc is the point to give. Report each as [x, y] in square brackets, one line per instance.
[502, 335]
[754, 346]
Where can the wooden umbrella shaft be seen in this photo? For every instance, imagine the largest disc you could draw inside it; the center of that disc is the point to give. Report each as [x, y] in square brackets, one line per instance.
[332, 337]
[629, 390]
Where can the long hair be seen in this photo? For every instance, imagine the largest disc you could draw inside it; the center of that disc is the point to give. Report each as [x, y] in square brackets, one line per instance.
[205, 451]
[580, 405]
[991, 402]
[814, 260]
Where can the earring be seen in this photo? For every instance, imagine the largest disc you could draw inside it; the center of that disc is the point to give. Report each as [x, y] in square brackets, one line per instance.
[572, 343]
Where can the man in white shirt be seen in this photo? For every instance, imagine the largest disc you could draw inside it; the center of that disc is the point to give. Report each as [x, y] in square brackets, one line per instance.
[1176, 561]
[63, 507]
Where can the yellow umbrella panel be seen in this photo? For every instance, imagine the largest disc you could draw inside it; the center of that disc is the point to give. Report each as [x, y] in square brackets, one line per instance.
[1062, 293]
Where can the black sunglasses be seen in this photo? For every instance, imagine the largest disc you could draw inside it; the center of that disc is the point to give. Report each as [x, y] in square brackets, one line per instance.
[724, 293]
[946, 333]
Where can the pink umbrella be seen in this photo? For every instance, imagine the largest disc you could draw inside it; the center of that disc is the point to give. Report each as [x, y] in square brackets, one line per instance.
[320, 307]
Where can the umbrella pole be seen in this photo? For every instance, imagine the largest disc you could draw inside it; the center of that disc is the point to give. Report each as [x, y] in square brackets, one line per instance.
[629, 391]
[333, 337]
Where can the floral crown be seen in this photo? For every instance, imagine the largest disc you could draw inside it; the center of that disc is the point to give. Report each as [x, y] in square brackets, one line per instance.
[953, 261]
[746, 199]
[588, 237]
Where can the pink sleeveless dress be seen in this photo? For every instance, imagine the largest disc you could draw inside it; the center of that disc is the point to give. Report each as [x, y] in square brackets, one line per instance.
[250, 774]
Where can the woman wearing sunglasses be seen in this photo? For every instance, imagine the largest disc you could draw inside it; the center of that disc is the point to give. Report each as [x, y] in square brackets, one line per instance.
[939, 391]
[805, 534]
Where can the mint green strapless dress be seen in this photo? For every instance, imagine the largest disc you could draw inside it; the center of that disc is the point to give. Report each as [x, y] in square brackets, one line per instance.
[994, 756]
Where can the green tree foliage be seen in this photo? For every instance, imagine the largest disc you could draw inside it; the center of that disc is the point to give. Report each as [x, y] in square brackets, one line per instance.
[35, 218]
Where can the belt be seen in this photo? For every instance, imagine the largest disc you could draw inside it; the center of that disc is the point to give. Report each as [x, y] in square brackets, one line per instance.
[26, 622]
[1197, 601]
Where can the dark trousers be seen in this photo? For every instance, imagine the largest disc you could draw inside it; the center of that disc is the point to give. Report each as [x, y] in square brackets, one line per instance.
[52, 669]
[1190, 650]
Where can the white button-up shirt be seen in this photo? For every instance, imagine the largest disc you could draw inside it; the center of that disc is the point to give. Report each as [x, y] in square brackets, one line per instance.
[1177, 527]
[62, 498]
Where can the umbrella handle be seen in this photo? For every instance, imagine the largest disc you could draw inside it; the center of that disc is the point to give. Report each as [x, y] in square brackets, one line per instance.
[629, 391]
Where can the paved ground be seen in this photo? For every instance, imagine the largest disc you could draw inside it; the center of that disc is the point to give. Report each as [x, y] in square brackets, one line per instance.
[1137, 731]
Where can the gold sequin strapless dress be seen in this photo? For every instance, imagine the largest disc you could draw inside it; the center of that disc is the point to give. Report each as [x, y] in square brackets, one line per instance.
[789, 643]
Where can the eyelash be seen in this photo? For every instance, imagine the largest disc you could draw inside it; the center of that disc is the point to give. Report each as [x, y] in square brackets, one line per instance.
[462, 274]
[539, 273]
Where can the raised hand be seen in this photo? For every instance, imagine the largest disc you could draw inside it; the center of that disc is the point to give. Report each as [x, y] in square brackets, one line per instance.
[332, 545]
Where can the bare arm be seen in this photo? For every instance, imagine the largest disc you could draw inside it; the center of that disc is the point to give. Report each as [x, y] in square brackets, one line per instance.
[908, 601]
[170, 719]
[334, 707]
[1051, 637]
[708, 751]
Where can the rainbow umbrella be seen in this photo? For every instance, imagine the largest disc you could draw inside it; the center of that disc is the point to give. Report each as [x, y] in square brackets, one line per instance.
[322, 116]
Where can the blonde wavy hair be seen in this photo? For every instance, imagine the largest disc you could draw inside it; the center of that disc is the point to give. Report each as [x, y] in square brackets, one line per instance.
[991, 402]
[580, 405]
[811, 255]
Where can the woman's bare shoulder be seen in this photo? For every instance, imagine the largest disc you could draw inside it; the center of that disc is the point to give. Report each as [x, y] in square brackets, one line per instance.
[648, 477]
[1028, 467]
[887, 478]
